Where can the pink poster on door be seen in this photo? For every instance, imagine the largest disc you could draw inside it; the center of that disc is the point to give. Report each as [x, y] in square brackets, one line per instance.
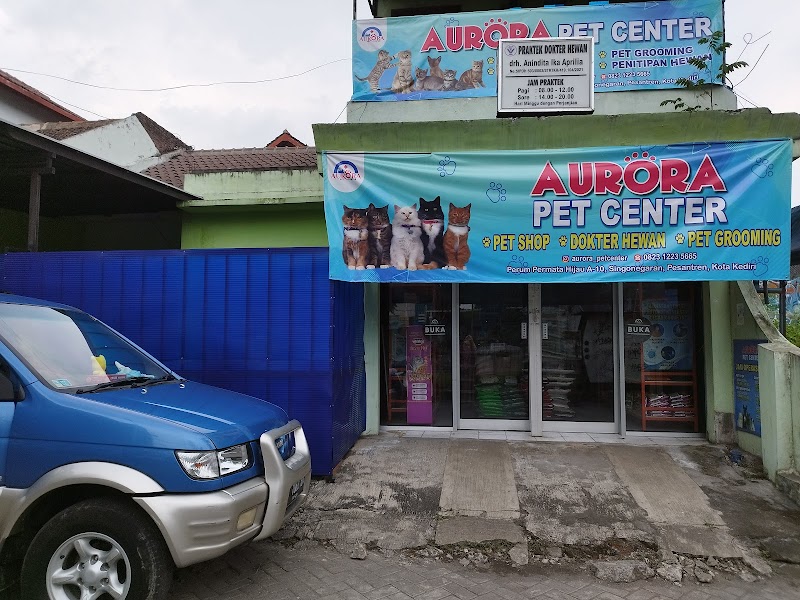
[419, 375]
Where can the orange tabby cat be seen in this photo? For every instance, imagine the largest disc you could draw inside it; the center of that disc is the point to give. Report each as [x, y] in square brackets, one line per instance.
[456, 248]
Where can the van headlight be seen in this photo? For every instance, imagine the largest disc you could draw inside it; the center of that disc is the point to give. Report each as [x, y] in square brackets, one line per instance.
[211, 464]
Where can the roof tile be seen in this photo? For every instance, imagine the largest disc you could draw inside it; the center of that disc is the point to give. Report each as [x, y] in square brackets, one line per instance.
[238, 159]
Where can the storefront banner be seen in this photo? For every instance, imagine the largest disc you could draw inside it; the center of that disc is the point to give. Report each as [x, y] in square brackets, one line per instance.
[684, 212]
[645, 45]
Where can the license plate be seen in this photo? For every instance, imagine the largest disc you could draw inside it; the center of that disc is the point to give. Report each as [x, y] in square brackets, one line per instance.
[295, 490]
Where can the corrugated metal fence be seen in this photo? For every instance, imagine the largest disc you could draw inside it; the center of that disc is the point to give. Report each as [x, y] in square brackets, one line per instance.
[264, 322]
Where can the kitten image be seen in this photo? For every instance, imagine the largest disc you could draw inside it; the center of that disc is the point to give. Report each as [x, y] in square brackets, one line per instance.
[356, 245]
[436, 70]
[431, 216]
[427, 82]
[472, 78]
[449, 81]
[384, 63]
[403, 82]
[406, 251]
[456, 248]
[380, 237]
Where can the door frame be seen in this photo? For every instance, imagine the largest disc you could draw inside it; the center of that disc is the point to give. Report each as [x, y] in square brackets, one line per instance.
[536, 425]
[480, 424]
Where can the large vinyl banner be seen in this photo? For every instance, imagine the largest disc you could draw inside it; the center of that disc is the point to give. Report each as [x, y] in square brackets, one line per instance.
[702, 211]
[637, 46]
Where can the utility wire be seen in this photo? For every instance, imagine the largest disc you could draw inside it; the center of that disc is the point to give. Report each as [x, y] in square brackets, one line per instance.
[174, 87]
[74, 105]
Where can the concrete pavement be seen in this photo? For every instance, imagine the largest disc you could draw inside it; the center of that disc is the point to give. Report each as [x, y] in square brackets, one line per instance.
[678, 512]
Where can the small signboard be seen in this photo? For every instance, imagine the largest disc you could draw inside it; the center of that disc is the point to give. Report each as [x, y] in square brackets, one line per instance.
[745, 386]
[638, 328]
[546, 75]
[435, 328]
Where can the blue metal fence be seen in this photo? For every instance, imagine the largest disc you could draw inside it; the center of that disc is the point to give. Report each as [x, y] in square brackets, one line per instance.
[264, 322]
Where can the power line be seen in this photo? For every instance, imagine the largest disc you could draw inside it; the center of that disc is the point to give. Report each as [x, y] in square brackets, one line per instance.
[74, 105]
[174, 87]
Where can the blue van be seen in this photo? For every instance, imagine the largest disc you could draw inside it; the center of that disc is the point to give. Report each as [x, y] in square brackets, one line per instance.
[114, 469]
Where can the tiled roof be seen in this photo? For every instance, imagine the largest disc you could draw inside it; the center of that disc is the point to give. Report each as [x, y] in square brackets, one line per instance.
[23, 88]
[286, 140]
[61, 130]
[163, 140]
[239, 159]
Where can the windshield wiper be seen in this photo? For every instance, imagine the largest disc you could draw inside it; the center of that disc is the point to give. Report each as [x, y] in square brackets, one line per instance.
[129, 381]
[164, 379]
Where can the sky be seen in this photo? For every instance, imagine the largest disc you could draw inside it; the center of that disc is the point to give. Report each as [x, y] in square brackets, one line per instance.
[303, 47]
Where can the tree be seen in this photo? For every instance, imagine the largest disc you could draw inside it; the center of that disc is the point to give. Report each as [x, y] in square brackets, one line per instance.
[717, 44]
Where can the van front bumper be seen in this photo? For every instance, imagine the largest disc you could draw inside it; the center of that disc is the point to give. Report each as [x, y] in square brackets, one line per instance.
[199, 527]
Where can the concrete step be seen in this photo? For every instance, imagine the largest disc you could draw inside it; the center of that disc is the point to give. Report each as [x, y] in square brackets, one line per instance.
[789, 483]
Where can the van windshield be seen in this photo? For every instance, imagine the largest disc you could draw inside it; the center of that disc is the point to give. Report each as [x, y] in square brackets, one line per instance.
[70, 349]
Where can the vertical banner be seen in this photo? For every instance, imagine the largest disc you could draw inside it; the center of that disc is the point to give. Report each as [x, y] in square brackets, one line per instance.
[419, 376]
[682, 212]
[645, 45]
[745, 386]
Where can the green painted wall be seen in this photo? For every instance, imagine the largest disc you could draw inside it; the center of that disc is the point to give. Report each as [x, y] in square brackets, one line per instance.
[559, 132]
[254, 209]
[299, 225]
[286, 186]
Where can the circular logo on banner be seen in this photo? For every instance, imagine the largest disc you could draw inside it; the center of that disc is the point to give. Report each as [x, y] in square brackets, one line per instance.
[371, 35]
[346, 171]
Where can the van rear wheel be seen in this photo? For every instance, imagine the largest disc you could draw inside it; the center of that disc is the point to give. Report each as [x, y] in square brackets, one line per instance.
[100, 549]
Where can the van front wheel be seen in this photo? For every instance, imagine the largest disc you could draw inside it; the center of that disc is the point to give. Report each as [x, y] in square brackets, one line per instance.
[101, 549]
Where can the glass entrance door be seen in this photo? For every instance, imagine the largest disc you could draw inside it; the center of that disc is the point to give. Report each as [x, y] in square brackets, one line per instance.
[577, 358]
[493, 357]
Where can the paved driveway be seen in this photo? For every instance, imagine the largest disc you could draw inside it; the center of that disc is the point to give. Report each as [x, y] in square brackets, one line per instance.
[271, 571]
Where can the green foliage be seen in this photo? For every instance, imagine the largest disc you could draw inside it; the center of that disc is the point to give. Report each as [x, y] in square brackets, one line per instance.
[793, 332]
[718, 46]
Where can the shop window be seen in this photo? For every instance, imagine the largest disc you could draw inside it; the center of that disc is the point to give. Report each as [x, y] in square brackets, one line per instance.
[416, 365]
[663, 390]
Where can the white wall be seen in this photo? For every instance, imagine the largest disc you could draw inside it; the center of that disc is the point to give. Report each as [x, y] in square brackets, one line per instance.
[124, 142]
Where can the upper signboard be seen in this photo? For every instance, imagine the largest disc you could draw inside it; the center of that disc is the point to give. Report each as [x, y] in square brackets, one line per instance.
[641, 45]
[548, 75]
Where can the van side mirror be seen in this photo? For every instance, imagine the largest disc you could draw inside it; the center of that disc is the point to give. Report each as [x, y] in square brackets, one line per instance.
[7, 392]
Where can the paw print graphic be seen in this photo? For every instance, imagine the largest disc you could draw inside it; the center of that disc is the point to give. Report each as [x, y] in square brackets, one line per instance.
[602, 65]
[451, 22]
[679, 238]
[562, 240]
[490, 60]
[496, 192]
[446, 167]
[487, 241]
[602, 54]
[763, 168]
[762, 266]
[517, 261]
[490, 71]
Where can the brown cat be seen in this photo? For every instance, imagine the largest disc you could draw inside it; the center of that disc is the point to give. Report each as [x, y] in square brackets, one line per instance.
[456, 248]
[403, 81]
[436, 70]
[472, 78]
[355, 247]
[427, 82]
[384, 62]
[449, 80]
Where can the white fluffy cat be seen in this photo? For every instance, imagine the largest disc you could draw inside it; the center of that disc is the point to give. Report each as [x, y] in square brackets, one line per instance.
[407, 251]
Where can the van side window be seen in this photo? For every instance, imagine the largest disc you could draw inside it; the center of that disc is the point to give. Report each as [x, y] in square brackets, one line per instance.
[8, 372]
